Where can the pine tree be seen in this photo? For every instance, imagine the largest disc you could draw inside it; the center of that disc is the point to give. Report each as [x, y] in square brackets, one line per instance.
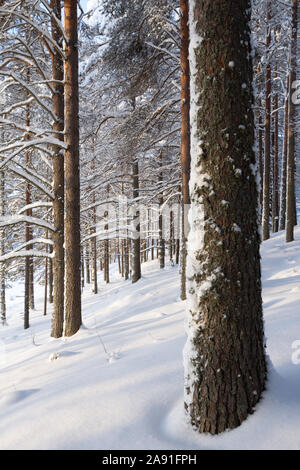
[185, 136]
[224, 357]
[58, 177]
[290, 186]
[267, 136]
[72, 182]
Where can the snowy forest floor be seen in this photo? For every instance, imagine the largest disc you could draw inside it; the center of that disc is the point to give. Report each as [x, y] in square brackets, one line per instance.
[118, 383]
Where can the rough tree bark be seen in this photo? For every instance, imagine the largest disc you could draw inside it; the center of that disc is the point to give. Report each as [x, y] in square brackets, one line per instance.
[136, 239]
[95, 288]
[58, 263]
[106, 252]
[275, 185]
[185, 136]
[161, 240]
[224, 356]
[267, 148]
[72, 179]
[282, 213]
[290, 191]
[28, 281]
[2, 243]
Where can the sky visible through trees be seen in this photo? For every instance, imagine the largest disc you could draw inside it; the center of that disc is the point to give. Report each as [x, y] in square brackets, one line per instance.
[148, 157]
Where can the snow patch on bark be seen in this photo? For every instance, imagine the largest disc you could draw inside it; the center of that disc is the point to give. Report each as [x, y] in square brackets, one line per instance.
[196, 216]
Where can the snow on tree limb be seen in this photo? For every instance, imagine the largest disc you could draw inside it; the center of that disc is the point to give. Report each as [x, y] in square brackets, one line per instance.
[6, 221]
[28, 177]
[35, 205]
[26, 253]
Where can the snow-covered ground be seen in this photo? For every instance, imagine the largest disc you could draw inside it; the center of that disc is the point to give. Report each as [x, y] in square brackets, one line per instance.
[118, 383]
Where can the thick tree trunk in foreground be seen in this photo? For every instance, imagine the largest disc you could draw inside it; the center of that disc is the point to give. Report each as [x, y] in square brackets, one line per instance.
[185, 136]
[72, 181]
[58, 181]
[224, 355]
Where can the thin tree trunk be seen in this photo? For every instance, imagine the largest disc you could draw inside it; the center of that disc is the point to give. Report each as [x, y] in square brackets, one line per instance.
[57, 267]
[87, 264]
[28, 234]
[2, 249]
[185, 136]
[46, 277]
[177, 251]
[171, 241]
[275, 186]
[267, 149]
[28, 230]
[72, 178]
[95, 249]
[282, 214]
[122, 257]
[82, 267]
[26, 293]
[136, 240]
[46, 287]
[260, 157]
[106, 252]
[51, 278]
[161, 240]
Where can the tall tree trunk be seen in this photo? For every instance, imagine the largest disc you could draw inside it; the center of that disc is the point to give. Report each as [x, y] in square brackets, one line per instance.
[260, 157]
[126, 259]
[58, 263]
[275, 186]
[82, 268]
[2, 249]
[282, 213]
[28, 231]
[28, 290]
[122, 257]
[87, 264]
[171, 241]
[26, 293]
[290, 198]
[136, 239]
[185, 136]
[51, 277]
[72, 179]
[95, 249]
[106, 253]
[224, 356]
[177, 251]
[267, 149]
[161, 240]
[46, 286]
